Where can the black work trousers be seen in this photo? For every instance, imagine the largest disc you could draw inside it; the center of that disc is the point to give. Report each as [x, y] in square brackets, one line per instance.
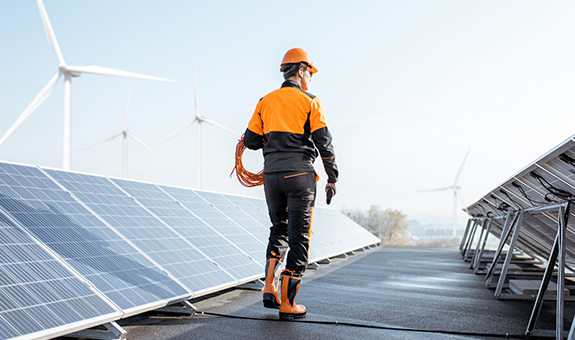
[290, 197]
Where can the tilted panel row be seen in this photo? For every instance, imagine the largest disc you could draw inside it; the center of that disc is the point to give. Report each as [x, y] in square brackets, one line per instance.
[547, 181]
[211, 214]
[150, 234]
[87, 244]
[204, 237]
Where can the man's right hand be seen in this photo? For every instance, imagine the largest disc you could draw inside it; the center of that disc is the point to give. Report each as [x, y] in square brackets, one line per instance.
[333, 186]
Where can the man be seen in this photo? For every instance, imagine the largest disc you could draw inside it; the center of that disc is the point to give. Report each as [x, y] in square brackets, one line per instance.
[289, 124]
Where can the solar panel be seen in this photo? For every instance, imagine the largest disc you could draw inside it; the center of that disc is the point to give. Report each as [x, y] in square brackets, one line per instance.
[339, 233]
[219, 249]
[38, 295]
[227, 219]
[88, 245]
[254, 211]
[147, 232]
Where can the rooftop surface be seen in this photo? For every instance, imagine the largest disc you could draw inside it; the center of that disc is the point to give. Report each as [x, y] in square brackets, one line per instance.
[425, 289]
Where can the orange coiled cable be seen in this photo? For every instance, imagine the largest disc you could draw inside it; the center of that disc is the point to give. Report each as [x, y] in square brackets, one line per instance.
[246, 178]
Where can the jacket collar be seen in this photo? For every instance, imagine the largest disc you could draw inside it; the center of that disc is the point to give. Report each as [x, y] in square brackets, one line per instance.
[291, 83]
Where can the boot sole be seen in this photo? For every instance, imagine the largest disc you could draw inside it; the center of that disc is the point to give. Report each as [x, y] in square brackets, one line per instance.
[291, 316]
[270, 301]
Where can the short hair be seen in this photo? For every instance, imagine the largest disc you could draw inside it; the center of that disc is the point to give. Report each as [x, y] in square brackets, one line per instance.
[289, 70]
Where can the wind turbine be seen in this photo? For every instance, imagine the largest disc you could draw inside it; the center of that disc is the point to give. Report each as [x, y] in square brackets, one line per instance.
[199, 119]
[68, 71]
[456, 194]
[125, 134]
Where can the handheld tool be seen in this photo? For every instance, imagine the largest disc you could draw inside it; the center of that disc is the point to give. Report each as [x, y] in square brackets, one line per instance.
[329, 194]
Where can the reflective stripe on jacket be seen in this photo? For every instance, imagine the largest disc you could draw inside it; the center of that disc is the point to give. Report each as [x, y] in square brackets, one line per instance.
[292, 123]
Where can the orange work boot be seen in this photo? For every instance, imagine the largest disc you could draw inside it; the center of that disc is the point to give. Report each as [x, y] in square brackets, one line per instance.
[272, 271]
[289, 286]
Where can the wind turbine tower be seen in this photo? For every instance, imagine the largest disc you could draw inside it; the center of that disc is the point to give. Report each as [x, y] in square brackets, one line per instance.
[125, 134]
[68, 71]
[456, 194]
[199, 119]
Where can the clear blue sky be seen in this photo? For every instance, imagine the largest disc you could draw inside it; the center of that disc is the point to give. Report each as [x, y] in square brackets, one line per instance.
[408, 86]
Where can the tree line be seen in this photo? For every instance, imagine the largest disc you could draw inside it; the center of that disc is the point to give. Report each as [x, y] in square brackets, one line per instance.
[390, 225]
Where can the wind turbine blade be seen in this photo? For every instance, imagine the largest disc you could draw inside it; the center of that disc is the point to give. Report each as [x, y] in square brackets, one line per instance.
[176, 132]
[196, 98]
[438, 189]
[127, 106]
[113, 72]
[50, 32]
[141, 143]
[100, 142]
[461, 168]
[35, 103]
[220, 126]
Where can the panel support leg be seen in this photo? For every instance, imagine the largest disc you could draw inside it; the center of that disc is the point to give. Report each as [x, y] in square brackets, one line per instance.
[252, 285]
[564, 213]
[113, 332]
[476, 253]
[503, 274]
[557, 253]
[509, 221]
[469, 242]
[477, 263]
[184, 307]
[464, 239]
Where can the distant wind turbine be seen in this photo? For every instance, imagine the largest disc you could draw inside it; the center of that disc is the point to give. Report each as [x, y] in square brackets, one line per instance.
[68, 72]
[456, 194]
[125, 135]
[199, 119]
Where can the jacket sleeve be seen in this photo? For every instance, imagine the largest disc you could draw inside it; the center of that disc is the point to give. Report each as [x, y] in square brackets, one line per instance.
[254, 135]
[322, 139]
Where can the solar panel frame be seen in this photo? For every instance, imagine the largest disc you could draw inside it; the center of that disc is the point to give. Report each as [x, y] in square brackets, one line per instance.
[152, 236]
[252, 245]
[199, 292]
[259, 266]
[85, 242]
[187, 224]
[345, 235]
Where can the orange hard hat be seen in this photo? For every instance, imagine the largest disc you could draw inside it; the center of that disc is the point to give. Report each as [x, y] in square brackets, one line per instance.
[297, 55]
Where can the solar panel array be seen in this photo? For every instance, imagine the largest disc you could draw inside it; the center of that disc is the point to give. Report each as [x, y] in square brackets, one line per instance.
[530, 212]
[79, 250]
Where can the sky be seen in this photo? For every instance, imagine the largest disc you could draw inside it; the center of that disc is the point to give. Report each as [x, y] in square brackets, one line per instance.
[409, 87]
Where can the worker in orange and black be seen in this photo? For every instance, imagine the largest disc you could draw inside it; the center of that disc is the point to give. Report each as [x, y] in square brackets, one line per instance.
[290, 125]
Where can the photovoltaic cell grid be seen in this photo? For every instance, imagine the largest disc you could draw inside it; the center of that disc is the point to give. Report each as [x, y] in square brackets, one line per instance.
[228, 258]
[255, 212]
[342, 234]
[226, 238]
[228, 220]
[36, 292]
[113, 266]
[148, 233]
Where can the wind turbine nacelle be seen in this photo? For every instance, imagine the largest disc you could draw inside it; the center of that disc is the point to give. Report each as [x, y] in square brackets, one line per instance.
[75, 74]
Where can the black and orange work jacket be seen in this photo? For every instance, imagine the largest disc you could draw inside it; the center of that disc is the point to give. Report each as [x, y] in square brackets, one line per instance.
[290, 125]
